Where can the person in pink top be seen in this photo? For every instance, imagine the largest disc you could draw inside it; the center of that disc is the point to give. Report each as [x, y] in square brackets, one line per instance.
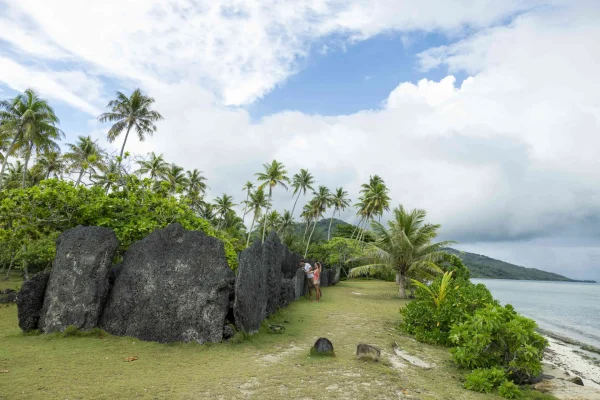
[317, 279]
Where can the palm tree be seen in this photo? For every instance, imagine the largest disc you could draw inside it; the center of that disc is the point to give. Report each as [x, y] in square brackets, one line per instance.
[340, 201]
[175, 177]
[13, 175]
[307, 217]
[274, 174]
[223, 205]
[258, 201]
[286, 222]
[155, 166]
[51, 163]
[374, 200]
[319, 205]
[207, 212]
[109, 179]
[32, 125]
[301, 183]
[196, 186]
[273, 220]
[83, 156]
[247, 187]
[130, 112]
[234, 225]
[405, 247]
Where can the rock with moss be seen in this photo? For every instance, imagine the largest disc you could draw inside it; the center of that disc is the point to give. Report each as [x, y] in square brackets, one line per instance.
[251, 290]
[300, 283]
[322, 347]
[173, 286]
[367, 352]
[78, 283]
[272, 258]
[324, 279]
[30, 301]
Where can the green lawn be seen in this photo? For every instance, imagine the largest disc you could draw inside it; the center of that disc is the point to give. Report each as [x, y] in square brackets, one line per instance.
[265, 366]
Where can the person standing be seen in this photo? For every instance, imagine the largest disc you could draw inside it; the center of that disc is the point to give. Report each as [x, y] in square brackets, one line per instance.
[317, 279]
[308, 270]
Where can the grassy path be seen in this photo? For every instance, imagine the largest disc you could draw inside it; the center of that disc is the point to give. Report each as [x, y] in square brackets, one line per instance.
[265, 366]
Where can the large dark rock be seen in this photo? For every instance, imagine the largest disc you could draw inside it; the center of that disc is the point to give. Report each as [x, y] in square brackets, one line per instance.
[288, 292]
[114, 273]
[173, 286]
[324, 279]
[367, 352]
[272, 258]
[300, 283]
[251, 289]
[289, 263]
[9, 297]
[78, 282]
[30, 301]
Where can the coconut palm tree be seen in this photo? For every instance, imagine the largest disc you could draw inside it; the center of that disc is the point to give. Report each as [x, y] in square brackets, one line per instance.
[31, 124]
[248, 186]
[318, 206]
[340, 201]
[223, 205]
[258, 201]
[175, 177]
[306, 217]
[13, 174]
[405, 247]
[274, 174]
[301, 182]
[285, 223]
[374, 200]
[155, 166]
[109, 179]
[133, 112]
[51, 163]
[196, 185]
[83, 156]
[207, 212]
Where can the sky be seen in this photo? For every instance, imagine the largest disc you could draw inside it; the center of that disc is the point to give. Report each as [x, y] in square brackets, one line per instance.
[484, 113]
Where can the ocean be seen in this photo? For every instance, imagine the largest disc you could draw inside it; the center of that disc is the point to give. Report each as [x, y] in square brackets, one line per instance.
[566, 308]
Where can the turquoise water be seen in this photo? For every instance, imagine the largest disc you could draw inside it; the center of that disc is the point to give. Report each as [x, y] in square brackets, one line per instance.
[569, 309]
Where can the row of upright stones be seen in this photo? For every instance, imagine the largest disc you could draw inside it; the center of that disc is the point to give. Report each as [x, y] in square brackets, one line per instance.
[174, 285]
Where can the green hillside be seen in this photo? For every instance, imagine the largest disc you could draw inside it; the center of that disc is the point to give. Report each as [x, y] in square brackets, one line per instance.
[320, 233]
[489, 268]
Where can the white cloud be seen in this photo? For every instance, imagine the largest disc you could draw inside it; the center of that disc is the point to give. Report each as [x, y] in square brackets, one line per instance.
[509, 154]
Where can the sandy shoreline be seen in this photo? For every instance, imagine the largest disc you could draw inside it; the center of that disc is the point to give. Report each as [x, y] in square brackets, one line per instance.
[569, 359]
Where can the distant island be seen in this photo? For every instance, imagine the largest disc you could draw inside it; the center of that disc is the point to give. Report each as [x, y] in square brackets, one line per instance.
[489, 268]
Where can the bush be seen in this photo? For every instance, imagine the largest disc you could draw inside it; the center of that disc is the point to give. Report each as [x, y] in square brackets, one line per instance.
[485, 380]
[430, 323]
[509, 390]
[454, 264]
[499, 337]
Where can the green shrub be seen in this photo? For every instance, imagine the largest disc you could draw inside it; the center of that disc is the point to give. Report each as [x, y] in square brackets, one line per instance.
[430, 323]
[454, 264]
[509, 390]
[499, 337]
[485, 380]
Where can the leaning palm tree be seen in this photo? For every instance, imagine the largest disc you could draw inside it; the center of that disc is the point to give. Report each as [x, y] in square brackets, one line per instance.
[207, 212]
[31, 124]
[51, 163]
[223, 205]
[133, 112]
[84, 156]
[405, 247]
[258, 201]
[340, 201]
[318, 206]
[248, 186]
[301, 183]
[274, 174]
[155, 166]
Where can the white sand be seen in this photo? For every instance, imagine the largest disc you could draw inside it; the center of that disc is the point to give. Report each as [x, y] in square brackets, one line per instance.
[573, 360]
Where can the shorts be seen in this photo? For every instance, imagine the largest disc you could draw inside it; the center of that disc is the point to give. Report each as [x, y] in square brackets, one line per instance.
[311, 282]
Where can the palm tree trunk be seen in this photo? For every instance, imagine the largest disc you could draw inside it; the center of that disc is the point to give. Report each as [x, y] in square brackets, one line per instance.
[296, 202]
[306, 230]
[397, 278]
[356, 229]
[402, 286]
[267, 213]
[246, 208]
[311, 233]
[10, 150]
[250, 231]
[27, 156]
[79, 177]
[330, 221]
[123, 147]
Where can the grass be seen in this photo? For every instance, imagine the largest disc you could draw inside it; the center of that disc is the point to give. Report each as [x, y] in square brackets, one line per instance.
[263, 366]
[14, 281]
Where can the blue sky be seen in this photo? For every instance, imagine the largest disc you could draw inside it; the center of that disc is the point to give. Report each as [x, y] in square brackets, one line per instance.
[491, 125]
